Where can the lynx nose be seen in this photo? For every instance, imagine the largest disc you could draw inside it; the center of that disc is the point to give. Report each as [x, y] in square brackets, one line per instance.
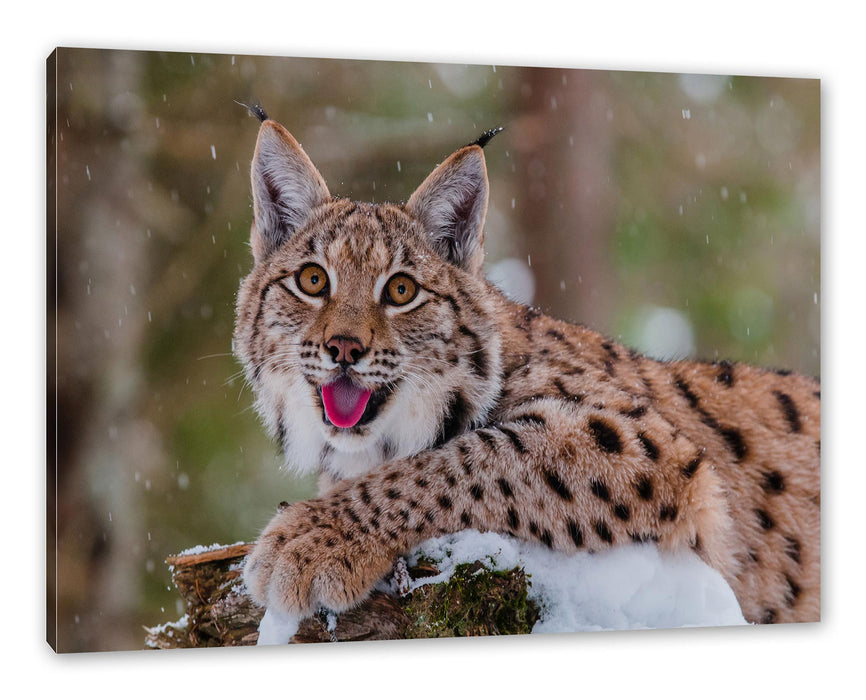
[345, 350]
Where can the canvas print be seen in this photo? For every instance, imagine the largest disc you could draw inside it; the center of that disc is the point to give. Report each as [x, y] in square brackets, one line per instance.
[357, 350]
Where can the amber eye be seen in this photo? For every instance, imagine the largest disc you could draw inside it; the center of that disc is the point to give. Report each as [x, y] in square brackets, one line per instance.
[312, 280]
[400, 290]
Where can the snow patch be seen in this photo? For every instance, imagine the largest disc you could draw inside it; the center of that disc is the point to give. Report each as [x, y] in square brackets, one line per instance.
[277, 628]
[629, 587]
[202, 548]
[167, 628]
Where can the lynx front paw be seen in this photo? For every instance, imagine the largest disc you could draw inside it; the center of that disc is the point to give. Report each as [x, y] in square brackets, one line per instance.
[307, 559]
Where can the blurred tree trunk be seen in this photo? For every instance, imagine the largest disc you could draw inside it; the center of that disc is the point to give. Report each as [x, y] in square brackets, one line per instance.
[102, 256]
[565, 210]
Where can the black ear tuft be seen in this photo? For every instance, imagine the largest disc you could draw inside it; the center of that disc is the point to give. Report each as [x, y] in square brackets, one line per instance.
[256, 109]
[484, 139]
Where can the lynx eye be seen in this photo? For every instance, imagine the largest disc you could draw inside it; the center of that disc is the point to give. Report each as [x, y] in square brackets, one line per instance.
[400, 290]
[312, 280]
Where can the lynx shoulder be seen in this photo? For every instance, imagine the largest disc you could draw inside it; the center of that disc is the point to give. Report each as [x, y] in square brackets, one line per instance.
[382, 358]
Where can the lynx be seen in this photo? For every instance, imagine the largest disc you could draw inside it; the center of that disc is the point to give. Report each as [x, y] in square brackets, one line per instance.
[428, 402]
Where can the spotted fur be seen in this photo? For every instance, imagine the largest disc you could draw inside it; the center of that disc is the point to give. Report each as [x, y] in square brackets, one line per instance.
[488, 414]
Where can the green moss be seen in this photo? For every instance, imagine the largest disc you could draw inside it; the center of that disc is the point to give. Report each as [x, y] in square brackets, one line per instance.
[476, 601]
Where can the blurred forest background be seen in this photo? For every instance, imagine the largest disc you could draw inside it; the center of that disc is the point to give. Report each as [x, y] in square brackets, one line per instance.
[677, 213]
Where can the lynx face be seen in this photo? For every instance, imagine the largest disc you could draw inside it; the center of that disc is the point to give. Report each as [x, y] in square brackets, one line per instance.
[348, 325]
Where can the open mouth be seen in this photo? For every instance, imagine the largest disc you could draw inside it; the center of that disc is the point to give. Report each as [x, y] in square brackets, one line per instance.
[347, 405]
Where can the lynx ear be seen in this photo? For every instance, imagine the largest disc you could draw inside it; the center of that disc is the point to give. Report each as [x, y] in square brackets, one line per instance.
[286, 188]
[451, 205]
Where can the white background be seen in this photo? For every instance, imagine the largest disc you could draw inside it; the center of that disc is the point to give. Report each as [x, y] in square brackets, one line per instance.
[812, 40]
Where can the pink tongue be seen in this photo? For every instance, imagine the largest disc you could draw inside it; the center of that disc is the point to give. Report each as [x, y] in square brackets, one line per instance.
[344, 402]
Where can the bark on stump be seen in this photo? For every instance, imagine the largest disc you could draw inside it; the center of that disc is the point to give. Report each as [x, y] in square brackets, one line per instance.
[220, 613]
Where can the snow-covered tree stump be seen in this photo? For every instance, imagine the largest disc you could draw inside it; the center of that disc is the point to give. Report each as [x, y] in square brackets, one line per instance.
[489, 584]
[474, 601]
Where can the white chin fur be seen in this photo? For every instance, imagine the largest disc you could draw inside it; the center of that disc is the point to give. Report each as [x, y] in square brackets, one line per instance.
[407, 422]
